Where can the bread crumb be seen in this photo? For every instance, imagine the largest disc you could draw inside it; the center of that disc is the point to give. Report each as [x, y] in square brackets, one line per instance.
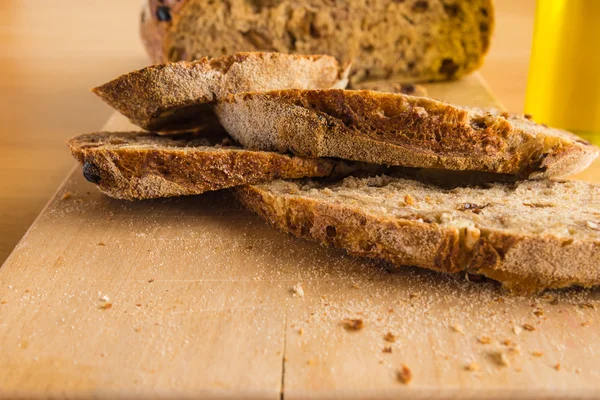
[390, 337]
[3, 302]
[516, 349]
[101, 244]
[538, 312]
[484, 340]
[529, 327]
[106, 306]
[66, 196]
[587, 323]
[298, 290]
[592, 225]
[457, 328]
[409, 200]
[517, 330]
[150, 280]
[105, 298]
[387, 349]
[577, 371]
[404, 375]
[537, 354]
[138, 330]
[472, 367]
[353, 324]
[507, 342]
[557, 366]
[500, 358]
[300, 331]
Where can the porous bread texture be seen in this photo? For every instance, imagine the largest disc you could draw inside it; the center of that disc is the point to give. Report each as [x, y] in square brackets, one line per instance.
[134, 165]
[396, 129]
[173, 97]
[530, 235]
[412, 39]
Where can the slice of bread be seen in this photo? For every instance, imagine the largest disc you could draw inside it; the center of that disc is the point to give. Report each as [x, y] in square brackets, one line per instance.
[396, 129]
[134, 165]
[172, 97]
[529, 235]
[413, 39]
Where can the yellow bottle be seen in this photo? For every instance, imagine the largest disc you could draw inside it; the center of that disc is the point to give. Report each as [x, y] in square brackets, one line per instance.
[563, 89]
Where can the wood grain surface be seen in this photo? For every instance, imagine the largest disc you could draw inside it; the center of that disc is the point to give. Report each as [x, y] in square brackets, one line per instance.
[196, 297]
[54, 51]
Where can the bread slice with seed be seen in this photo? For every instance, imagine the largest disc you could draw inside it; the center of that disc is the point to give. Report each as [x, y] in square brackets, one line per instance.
[173, 97]
[530, 235]
[396, 129]
[134, 165]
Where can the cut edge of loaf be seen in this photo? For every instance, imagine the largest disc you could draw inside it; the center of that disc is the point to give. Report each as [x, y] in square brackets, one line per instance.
[135, 166]
[495, 253]
[396, 129]
[158, 95]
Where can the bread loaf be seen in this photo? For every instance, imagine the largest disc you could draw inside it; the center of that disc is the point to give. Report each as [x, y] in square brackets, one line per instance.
[396, 129]
[173, 97]
[135, 165]
[530, 235]
[412, 39]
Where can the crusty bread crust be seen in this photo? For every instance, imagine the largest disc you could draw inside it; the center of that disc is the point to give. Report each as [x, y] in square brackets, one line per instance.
[173, 97]
[444, 238]
[134, 165]
[396, 129]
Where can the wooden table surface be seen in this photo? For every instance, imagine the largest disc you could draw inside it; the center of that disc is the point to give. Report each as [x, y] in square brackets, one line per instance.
[54, 51]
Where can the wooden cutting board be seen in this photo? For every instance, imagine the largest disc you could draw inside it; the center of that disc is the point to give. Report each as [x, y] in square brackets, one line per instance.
[193, 297]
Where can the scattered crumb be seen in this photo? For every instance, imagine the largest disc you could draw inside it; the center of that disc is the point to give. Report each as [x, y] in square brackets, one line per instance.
[557, 367]
[298, 290]
[587, 323]
[106, 306]
[390, 337]
[409, 200]
[66, 196]
[577, 371]
[150, 280]
[457, 328]
[500, 358]
[538, 312]
[537, 354]
[105, 298]
[3, 302]
[404, 375]
[101, 244]
[300, 331]
[529, 327]
[516, 349]
[138, 305]
[353, 324]
[517, 330]
[472, 367]
[507, 342]
[137, 329]
[484, 340]
[380, 361]
[387, 349]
